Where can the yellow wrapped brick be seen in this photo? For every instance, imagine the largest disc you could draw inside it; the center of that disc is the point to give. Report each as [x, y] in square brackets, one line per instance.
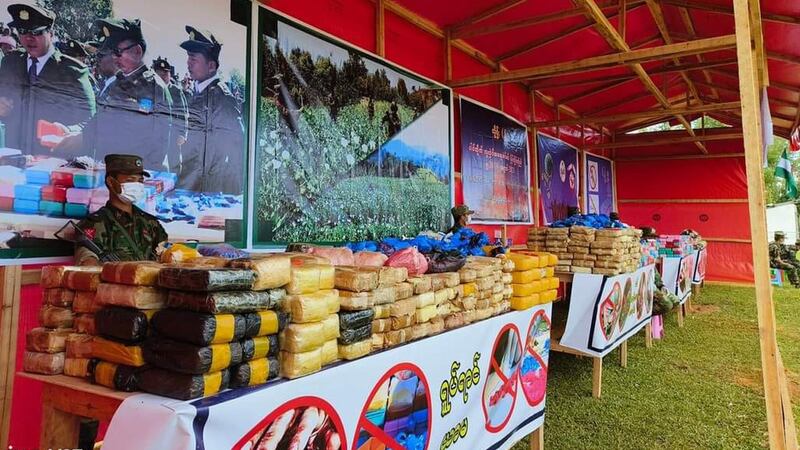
[306, 308]
[469, 289]
[295, 365]
[450, 279]
[355, 301]
[443, 295]
[526, 302]
[550, 283]
[526, 276]
[403, 290]
[423, 300]
[421, 285]
[521, 290]
[549, 272]
[355, 280]
[116, 352]
[330, 352]
[523, 262]
[378, 341]
[330, 327]
[548, 296]
[309, 278]
[302, 337]
[426, 314]
[382, 311]
[356, 350]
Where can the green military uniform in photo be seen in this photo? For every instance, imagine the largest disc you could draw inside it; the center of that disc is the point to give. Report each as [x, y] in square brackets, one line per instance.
[213, 157]
[458, 212]
[780, 258]
[131, 237]
[60, 92]
[134, 114]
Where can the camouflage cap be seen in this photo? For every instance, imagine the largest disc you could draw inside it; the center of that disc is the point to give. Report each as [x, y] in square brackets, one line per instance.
[30, 17]
[461, 210]
[125, 165]
[780, 235]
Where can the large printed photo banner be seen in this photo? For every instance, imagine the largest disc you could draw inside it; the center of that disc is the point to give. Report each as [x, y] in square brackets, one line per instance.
[604, 311]
[598, 180]
[495, 171]
[478, 387]
[159, 97]
[678, 274]
[349, 147]
[557, 177]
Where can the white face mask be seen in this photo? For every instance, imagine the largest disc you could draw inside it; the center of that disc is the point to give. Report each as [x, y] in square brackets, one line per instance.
[132, 192]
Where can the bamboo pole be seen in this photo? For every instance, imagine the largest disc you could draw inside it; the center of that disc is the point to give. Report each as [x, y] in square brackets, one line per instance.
[752, 129]
[380, 28]
[9, 324]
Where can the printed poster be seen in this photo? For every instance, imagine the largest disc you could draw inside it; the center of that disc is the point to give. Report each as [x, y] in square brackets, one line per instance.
[605, 311]
[482, 386]
[599, 185]
[700, 266]
[678, 274]
[495, 171]
[558, 177]
[184, 115]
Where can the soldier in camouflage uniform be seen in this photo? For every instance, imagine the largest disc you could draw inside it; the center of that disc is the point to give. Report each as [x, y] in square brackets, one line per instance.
[120, 227]
[778, 259]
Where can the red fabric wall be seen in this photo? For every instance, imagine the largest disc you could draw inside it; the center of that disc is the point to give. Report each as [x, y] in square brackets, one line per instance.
[723, 222]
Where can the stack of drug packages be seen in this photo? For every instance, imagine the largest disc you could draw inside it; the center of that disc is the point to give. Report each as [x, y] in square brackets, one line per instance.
[675, 245]
[63, 341]
[480, 294]
[221, 328]
[533, 279]
[391, 305]
[618, 250]
[126, 299]
[579, 250]
[367, 296]
[408, 317]
[309, 341]
[537, 239]
[430, 317]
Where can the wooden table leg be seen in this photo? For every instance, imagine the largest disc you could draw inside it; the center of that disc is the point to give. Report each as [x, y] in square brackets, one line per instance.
[59, 429]
[537, 439]
[680, 316]
[597, 377]
[623, 354]
[648, 335]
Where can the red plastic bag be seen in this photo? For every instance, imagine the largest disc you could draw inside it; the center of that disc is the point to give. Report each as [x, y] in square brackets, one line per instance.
[411, 259]
[370, 259]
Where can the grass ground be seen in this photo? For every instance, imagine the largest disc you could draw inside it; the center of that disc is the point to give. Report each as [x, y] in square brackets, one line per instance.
[700, 387]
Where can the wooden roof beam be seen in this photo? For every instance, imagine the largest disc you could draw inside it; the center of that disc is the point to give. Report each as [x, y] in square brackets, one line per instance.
[483, 15]
[654, 139]
[686, 17]
[630, 99]
[656, 113]
[772, 83]
[661, 24]
[602, 62]
[561, 35]
[791, 59]
[607, 30]
[556, 83]
[472, 30]
[727, 10]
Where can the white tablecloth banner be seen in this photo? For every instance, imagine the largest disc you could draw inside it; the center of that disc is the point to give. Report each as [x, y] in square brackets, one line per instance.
[478, 387]
[604, 311]
[677, 274]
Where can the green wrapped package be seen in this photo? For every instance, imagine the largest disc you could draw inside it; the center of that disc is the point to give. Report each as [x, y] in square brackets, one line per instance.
[259, 347]
[206, 279]
[116, 376]
[264, 323]
[224, 302]
[355, 319]
[352, 336]
[254, 372]
[182, 386]
[199, 328]
[191, 359]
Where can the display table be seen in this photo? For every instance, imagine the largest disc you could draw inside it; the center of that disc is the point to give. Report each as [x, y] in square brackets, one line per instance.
[483, 384]
[603, 313]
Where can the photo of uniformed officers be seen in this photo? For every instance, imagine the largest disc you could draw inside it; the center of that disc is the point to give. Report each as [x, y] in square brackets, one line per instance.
[120, 103]
[38, 83]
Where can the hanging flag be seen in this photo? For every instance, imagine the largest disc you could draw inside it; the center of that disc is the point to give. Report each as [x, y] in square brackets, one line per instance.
[766, 125]
[784, 170]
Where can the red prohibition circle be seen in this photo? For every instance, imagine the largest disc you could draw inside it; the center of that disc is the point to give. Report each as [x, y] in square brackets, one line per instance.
[295, 403]
[512, 378]
[388, 374]
[528, 350]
